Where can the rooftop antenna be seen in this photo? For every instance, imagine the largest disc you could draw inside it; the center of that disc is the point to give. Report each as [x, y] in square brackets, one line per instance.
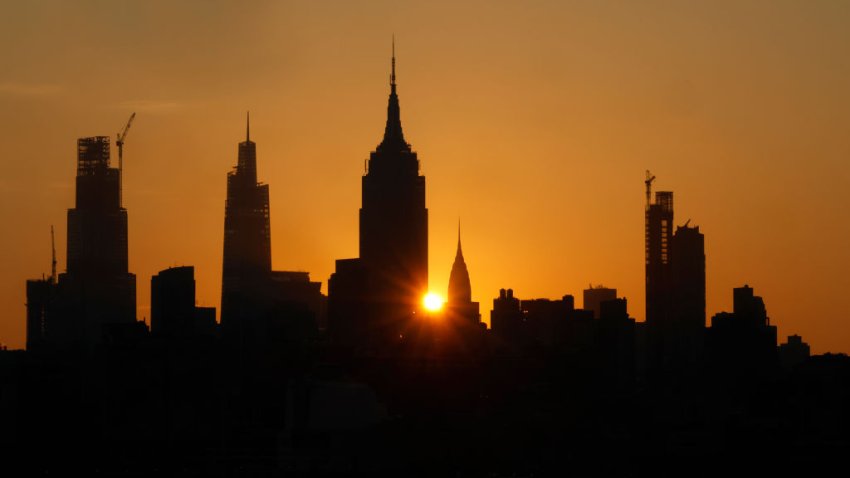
[53, 260]
[649, 179]
[120, 143]
[392, 76]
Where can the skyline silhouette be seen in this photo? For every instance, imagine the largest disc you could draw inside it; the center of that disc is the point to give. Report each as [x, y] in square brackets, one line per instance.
[659, 226]
[465, 186]
[363, 369]
[391, 233]
[380, 302]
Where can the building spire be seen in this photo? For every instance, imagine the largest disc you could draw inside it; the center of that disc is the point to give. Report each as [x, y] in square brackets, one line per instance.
[248, 127]
[459, 250]
[392, 75]
[393, 135]
[460, 289]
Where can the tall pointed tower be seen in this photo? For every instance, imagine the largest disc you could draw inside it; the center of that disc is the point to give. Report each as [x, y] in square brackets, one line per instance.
[247, 236]
[459, 299]
[394, 219]
[460, 289]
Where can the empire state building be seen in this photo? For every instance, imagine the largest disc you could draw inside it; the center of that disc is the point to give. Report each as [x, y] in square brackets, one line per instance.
[393, 216]
[373, 298]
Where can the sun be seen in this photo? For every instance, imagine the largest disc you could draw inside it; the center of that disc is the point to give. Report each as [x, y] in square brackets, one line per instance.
[432, 302]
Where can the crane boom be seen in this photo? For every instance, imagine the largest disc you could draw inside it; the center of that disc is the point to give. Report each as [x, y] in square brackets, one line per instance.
[53, 258]
[649, 179]
[120, 143]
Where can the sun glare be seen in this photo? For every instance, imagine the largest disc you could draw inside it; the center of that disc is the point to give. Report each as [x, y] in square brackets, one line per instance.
[432, 302]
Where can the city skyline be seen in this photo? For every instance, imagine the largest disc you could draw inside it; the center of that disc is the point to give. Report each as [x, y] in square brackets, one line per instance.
[499, 249]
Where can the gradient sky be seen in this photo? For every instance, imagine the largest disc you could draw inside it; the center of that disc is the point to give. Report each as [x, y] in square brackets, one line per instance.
[534, 123]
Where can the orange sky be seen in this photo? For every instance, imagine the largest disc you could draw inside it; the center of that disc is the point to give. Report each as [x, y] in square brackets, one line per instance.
[534, 123]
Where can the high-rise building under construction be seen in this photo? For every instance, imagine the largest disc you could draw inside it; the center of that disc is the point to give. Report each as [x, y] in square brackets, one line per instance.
[257, 302]
[97, 293]
[659, 239]
[675, 288]
[247, 235]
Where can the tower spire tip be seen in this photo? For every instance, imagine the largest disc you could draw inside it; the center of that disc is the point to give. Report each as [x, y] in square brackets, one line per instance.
[392, 75]
[459, 249]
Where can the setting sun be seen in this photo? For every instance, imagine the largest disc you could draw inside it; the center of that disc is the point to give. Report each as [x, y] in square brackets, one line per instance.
[432, 302]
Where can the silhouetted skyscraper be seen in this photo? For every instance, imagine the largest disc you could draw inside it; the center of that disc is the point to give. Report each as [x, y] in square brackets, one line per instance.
[459, 298]
[371, 299]
[686, 330]
[96, 294]
[689, 276]
[97, 226]
[460, 287]
[659, 238]
[659, 271]
[247, 235]
[394, 220]
[97, 243]
[259, 306]
[675, 289]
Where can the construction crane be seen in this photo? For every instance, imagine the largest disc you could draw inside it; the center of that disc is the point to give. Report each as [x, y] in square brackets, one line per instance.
[53, 261]
[649, 179]
[120, 143]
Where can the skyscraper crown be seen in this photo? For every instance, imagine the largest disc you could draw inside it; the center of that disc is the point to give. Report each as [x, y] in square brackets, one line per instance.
[460, 288]
[393, 134]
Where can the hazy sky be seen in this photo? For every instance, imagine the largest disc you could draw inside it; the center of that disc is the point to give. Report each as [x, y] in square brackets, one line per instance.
[534, 122]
